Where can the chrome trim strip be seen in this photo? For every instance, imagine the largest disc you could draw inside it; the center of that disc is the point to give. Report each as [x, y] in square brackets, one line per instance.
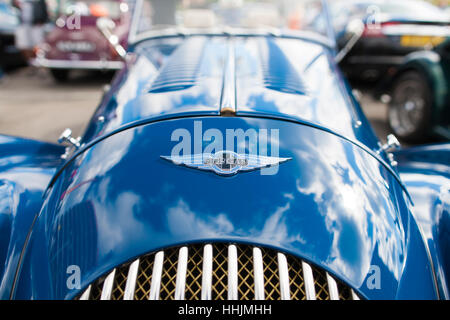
[108, 286]
[156, 276]
[283, 271]
[207, 272]
[232, 273]
[78, 64]
[131, 281]
[308, 278]
[228, 98]
[86, 294]
[258, 273]
[332, 288]
[354, 295]
[181, 273]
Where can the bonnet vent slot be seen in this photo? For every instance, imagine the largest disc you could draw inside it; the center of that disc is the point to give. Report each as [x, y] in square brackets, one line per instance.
[181, 70]
[278, 73]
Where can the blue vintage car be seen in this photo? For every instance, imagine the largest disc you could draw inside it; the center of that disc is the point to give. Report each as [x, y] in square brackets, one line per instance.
[229, 160]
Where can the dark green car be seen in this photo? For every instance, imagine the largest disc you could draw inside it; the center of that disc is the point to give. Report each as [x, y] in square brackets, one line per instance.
[420, 96]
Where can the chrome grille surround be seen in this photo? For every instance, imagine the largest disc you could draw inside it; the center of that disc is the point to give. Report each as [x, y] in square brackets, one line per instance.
[217, 271]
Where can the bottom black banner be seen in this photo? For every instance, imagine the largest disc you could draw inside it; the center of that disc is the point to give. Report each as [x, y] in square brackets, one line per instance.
[216, 310]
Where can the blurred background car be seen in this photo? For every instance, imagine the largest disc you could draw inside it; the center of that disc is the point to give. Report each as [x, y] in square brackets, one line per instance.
[59, 59]
[393, 29]
[75, 43]
[10, 56]
[420, 96]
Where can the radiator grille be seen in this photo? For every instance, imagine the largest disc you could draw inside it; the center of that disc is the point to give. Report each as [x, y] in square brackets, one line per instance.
[230, 272]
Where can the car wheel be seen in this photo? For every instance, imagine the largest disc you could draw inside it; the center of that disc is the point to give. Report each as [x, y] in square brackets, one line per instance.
[60, 75]
[410, 108]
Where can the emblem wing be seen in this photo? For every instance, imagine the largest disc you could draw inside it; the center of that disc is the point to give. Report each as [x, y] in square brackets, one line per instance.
[258, 162]
[191, 161]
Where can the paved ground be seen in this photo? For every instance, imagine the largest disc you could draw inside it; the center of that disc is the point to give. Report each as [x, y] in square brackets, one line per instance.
[376, 112]
[33, 105]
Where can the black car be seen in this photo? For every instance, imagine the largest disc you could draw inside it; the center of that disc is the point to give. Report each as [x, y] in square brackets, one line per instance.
[10, 56]
[420, 96]
[393, 29]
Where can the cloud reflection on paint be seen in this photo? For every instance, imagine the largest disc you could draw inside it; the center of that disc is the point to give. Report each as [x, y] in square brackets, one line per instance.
[354, 207]
[183, 222]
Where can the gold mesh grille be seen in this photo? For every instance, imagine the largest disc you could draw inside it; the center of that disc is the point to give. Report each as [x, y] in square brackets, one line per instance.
[345, 292]
[296, 283]
[96, 290]
[321, 285]
[271, 276]
[220, 272]
[219, 276]
[194, 274]
[169, 275]
[120, 281]
[246, 283]
[144, 277]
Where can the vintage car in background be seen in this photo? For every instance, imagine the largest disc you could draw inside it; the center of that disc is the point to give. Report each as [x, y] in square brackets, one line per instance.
[75, 43]
[420, 96]
[393, 29]
[223, 164]
[10, 56]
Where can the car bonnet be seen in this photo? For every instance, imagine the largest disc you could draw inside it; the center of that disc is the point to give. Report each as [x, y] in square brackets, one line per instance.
[332, 204]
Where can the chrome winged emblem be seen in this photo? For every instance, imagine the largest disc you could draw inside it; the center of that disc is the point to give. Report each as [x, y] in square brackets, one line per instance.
[225, 162]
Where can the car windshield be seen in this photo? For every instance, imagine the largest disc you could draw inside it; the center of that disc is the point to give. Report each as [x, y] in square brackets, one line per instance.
[94, 8]
[299, 15]
[416, 8]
